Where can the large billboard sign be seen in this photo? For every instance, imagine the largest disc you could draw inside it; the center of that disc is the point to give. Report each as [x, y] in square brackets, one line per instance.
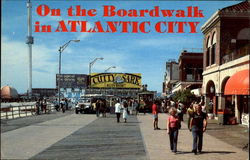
[72, 80]
[115, 80]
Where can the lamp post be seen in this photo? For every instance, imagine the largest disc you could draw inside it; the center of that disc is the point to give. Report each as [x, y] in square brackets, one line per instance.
[92, 63]
[61, 49]
[106, 70]
[109, 68]
[90, 66]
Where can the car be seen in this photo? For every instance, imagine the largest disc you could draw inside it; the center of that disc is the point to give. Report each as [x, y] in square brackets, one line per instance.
[84, 106]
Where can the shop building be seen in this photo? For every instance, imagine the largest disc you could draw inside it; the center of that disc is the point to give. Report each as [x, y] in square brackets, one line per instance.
[226, 63]
[190, 71]
[123, 85]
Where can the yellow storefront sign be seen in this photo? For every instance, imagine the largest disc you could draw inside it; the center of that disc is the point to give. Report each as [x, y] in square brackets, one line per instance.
[115, 80]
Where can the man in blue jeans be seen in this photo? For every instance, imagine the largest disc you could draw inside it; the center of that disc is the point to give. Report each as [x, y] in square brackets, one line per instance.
[198, 124]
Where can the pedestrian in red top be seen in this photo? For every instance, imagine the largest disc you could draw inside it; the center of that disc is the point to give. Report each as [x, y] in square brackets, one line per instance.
[173, 126]
[155, 115]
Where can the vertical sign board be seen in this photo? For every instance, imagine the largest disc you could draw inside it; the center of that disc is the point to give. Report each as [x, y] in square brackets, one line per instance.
[115, 80]
[72, 80]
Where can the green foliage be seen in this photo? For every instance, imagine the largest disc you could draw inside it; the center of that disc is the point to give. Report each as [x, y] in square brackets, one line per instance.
[185, 96]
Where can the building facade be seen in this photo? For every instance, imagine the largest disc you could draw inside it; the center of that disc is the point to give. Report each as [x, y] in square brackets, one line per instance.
[124, 85]
[44, 92]
[226, 52]
[190, 71]
[171, 76]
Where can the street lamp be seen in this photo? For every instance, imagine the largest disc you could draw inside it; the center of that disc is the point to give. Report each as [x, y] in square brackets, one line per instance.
[109, 68]
[106, 90]
[90, 65]
[61, 49]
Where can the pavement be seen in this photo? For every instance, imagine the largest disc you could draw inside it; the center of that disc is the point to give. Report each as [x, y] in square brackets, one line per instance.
[84, 136]
[157, 143]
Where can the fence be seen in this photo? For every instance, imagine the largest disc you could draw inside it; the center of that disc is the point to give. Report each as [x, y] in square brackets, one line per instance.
[12, 112]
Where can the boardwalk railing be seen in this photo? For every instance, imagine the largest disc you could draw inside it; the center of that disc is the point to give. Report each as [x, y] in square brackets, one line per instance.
[12, 112]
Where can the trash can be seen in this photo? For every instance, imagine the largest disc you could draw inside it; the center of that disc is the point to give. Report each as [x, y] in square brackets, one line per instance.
[221, 118]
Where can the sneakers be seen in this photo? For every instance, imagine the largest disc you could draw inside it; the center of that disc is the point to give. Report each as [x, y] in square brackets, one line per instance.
[195, 152]
[156, 128]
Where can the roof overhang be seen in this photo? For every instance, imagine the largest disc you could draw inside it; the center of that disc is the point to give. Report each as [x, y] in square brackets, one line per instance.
[210, 21]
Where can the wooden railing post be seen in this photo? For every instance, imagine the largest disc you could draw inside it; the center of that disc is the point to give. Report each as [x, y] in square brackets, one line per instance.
[6, 112]
[19, 111]
[26, 110]
[12, 109]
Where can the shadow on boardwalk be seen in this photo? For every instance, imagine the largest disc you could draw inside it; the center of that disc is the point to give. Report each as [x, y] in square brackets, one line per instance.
[205, 152]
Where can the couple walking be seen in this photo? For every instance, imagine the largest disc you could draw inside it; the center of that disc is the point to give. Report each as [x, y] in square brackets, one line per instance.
[197, 125]
[121, 108]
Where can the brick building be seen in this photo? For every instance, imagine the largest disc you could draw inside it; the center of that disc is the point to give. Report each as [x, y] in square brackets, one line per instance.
[226, 55]
[190, 71]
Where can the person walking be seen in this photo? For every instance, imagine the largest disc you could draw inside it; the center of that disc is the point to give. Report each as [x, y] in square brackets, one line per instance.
[190, 112]
[57, 105]
[136, 107]
[103, 108]
[180, 108]
[125, 111]
[173, 126]
[66, 104]
[118, 111]
[143, 106]
[155, 115]
[62, 105]
[38, 106]
[163, 105]
[44, 104]
[97, 108]
[198, 124]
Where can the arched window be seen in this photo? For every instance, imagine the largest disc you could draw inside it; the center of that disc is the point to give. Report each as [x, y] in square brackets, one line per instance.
[213, 50]
[208, 45]
[242, 42]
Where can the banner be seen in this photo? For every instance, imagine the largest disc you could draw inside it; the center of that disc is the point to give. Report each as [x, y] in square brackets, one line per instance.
[115, 80]
[72, 80]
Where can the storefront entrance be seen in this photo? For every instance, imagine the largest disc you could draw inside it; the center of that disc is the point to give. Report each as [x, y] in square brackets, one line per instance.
[238, 86]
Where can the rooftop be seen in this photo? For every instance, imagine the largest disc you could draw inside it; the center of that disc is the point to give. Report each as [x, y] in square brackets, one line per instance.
[240, 7]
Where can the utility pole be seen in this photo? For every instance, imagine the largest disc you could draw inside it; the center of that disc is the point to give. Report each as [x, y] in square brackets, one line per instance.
[29, 41]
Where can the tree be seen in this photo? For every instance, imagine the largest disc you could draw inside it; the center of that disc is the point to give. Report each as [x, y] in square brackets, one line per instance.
[185, 96]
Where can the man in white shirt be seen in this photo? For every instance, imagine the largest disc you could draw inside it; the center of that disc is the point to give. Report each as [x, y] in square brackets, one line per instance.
[118, 111]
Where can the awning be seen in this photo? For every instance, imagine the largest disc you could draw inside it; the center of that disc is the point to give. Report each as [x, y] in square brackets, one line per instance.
[196, 91]
[238, 84]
